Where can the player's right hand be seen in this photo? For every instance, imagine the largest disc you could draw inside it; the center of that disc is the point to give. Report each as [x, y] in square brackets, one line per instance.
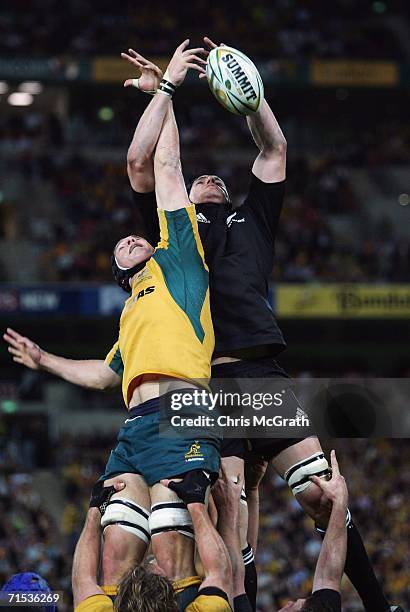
[184, 59]
[335, 489]
[151, 74]
[24, 351]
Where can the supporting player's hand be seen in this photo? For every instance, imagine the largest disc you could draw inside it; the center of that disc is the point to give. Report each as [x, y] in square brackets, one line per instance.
[184, 59]
[255, 470]
[151, 74]
[335, 489]
[101, 494]
[192, 488]
[24, 351]
[226, 492]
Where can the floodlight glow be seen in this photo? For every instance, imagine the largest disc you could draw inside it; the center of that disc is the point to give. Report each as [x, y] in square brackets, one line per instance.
[19, 98]
[31, 87]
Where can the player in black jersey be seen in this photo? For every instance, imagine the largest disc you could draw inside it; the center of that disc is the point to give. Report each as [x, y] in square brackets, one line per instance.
[239, 250]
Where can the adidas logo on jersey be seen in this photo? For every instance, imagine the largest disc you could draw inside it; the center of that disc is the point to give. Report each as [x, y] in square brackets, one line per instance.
[231, 220]
[202, 219]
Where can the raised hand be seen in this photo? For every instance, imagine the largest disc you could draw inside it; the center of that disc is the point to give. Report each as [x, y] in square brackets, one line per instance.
[211, 45]
[184, 59]
[151, 74]
[335, 489]
[24, 351]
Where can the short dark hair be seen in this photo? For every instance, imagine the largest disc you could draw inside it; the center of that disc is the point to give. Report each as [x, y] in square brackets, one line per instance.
[143, 591]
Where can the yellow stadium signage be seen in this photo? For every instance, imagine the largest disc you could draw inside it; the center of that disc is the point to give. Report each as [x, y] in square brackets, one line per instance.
[343, 301]
[335, 73]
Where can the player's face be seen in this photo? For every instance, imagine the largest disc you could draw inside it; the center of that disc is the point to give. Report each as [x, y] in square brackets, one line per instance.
[208, 188]
[293, 606]
[131, 251]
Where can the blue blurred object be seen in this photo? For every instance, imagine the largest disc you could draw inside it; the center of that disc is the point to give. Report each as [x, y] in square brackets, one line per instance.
[28, 582]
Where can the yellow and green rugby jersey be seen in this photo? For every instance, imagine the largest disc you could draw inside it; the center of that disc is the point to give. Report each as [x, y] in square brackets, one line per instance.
[166, 326]
[202, 603]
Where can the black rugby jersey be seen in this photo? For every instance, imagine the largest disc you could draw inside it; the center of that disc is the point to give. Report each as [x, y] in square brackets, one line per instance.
[239, 250]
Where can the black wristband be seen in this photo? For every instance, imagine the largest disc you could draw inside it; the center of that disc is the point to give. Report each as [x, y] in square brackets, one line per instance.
[167, 87]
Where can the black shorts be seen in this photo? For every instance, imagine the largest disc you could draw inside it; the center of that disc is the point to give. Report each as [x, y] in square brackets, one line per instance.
[266, 368]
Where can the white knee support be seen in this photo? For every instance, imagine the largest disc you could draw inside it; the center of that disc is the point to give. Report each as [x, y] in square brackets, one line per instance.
[129, 516]
[298, 476]
[170, 516]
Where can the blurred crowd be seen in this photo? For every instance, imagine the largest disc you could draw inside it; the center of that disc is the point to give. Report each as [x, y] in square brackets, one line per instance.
[284, 28]
[30, 539]
[325, 232]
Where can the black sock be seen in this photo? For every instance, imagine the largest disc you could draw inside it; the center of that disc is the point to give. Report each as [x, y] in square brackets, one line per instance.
[251, 578]
[241, 604]
[360, 572]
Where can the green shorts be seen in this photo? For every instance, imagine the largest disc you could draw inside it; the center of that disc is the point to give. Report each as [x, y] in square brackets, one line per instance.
[141, 449]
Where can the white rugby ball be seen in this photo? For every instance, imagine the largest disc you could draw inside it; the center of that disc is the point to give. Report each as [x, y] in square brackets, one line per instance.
[234, 80]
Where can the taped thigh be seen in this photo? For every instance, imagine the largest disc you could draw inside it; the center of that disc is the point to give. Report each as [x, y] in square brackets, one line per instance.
[298, 476]
[170, 516]
[129, 516]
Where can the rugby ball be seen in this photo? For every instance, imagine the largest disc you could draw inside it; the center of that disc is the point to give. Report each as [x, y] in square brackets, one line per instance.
[234, 80]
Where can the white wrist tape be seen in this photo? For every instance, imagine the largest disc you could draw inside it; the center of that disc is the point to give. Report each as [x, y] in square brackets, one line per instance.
[135, 83]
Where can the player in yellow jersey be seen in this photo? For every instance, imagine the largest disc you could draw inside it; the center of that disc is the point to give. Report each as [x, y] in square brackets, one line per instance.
[165, 339]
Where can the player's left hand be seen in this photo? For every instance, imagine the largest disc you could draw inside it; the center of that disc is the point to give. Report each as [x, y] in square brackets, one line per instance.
[151, 74]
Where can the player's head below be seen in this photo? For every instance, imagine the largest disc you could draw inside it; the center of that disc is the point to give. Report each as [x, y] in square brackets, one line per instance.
[144, 589]
[129, 257]
[306, 605]
[209, 189]
[29, 582]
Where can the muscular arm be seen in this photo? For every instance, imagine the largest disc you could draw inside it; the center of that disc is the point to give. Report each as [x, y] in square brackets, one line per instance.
[86, 559]
[331, 562]
[92, 373]
[212, 550]
[169, 183]
[140, 164]
[140, 156]
[228, 527]
[270, 165]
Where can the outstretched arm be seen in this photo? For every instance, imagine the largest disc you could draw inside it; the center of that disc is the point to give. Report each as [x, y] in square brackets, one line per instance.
[270, 165]
[140, 164]
[90, 373]
[169, 183]
[140, 156]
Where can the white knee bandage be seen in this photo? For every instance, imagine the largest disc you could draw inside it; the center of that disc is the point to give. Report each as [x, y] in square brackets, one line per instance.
[129, 516]
[170, 516]
[298, 476]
